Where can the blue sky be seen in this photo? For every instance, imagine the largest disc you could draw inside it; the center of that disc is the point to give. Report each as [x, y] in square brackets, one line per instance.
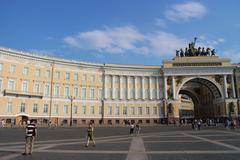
[120, 31]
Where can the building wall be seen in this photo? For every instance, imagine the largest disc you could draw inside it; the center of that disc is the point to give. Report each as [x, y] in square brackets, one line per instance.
[126, 92]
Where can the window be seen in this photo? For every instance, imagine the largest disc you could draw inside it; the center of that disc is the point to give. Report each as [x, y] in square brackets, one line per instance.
[47, 90]
[131, 93]
[37, 72]
[25, 71]
[155, 110]
[1, 67]
[84, 93]
[22, 108]
[147, 110]
[125, 110]
[24, 86]
[117, 110]
[100, 94]
[117, 93]
[57, 75]
[66, 91]
[11, 85]
[9, 107]
[36, 87]
[75, 91]
[139, 110]
[92, 93]
[75, 108]
[47, 74]
[65, 109]
[56, 90]
[45, 108]
[84, 77]
[75, 77]
[132, 110]
[55, 108]
[92, 110]
[1, 82]
[110, 110]
[84, 110]
[12, 68]
[35, 108]
[67, 76]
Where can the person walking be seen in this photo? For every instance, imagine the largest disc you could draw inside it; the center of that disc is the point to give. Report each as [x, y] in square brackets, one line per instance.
[31, 134]
[90, 136]
[131, 128]
[138, 128]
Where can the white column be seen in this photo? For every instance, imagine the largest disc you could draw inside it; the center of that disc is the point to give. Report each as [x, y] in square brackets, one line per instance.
[113, 87]
[105, 86]
[143, 94]
[150, 87]
[120, 87]
[233, 87]
[173, 87]
[165, 88]
[157, 81]
[128, 88]
[225, 86]
[135, 88]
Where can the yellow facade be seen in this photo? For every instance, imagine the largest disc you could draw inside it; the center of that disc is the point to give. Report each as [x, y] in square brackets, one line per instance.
[41, 88]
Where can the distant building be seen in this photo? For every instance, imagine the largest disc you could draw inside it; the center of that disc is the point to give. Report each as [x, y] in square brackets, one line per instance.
[45, 88]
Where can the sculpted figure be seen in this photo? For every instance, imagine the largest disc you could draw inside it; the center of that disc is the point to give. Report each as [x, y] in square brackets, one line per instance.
[181, 52]
[213, 52]
[177, 53]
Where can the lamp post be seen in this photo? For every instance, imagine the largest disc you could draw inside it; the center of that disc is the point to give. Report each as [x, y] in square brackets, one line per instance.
[165, 108]
[71, 99]
[102, 118]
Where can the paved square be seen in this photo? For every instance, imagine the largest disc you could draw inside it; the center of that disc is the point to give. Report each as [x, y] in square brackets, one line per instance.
[115, 143]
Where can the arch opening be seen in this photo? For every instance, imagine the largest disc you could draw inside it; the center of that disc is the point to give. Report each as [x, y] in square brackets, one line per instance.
[198, 97]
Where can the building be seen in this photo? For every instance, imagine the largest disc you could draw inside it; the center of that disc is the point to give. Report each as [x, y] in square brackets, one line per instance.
[74, 92]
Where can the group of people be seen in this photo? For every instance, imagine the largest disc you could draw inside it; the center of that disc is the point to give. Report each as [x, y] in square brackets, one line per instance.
[134, 127]
[196, 124]
[31, 134]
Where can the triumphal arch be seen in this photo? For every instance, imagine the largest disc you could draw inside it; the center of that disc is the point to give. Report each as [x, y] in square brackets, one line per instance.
[199, 84]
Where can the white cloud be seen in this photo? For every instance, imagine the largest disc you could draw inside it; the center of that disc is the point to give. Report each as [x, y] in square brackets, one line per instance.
[111, 40]
[164, 43]
[233, 54]
[126, 39]
[160, 23]
[186, 11]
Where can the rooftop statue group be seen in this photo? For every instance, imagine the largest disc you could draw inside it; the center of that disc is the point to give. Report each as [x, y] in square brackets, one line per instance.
[192, 51]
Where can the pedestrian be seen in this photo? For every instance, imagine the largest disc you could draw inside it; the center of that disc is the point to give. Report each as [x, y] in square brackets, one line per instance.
[90, 135]
[3, 123]
[199, 122]
[131, 128]
[138, 128]
[31, 134]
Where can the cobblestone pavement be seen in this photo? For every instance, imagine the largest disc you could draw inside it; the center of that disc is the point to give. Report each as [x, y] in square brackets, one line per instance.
[154, 143]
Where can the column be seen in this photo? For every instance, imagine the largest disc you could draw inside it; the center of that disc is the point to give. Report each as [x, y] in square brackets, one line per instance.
[113, 87]
[157, 81]
[225, 86]
[143, 94]
[233, 87]
[105, 86]
[135, 88]
[173, 87]
[150, 87]
[165, 88]
[120, 87]
[128, 88]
